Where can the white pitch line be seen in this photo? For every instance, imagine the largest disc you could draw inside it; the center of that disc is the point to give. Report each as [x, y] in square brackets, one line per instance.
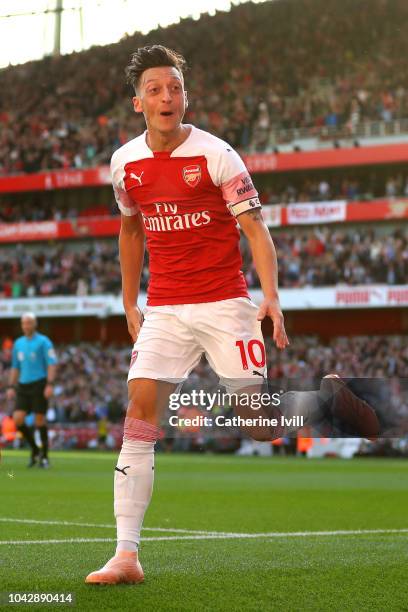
[103, 526]
[68, 541]
[275, 534]
[202, 533]
[220, 536]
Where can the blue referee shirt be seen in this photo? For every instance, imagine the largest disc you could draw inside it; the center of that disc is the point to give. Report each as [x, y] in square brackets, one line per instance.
[32, 356]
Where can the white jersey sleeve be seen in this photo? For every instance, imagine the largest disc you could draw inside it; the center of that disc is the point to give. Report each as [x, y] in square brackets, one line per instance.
[126, 205]
[236, 183]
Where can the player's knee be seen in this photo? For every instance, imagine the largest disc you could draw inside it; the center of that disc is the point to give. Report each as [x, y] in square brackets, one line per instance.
[143, 400]
[140, 411]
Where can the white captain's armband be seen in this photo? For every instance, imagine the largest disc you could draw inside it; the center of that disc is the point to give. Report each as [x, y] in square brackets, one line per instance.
[241, 207]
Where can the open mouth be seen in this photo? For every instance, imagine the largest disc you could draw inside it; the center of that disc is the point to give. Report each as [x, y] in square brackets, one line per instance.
[166, 113]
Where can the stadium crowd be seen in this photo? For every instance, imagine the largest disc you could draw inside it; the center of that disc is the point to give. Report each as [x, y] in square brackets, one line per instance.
[37, 208]
[322, 256]
[325, 256]
[59, 271]
[313, 64]
[282, 190]
[79, 395]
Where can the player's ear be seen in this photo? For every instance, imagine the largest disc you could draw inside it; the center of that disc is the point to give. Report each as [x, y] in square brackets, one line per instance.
[137, 104]
[186, 99]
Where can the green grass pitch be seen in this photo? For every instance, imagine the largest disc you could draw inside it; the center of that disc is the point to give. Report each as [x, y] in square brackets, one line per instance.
[186, 570]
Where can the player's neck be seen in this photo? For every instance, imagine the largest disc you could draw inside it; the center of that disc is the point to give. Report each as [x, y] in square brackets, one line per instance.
[159, 141]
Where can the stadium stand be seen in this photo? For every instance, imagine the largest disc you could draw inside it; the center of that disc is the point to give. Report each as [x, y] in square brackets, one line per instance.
[287, 190]
[325, 256]
[317, 75]
[321, 256]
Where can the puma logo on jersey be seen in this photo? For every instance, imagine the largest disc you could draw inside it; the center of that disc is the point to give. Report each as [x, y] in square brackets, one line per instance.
[118, 469]
[137, 178]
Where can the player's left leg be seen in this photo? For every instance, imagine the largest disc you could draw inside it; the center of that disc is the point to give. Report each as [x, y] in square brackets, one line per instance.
[232, 337]
[349, 413]
[40, 406]
[334, 407]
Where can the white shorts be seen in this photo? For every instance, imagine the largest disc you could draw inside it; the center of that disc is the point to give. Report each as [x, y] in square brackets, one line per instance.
[173, 339]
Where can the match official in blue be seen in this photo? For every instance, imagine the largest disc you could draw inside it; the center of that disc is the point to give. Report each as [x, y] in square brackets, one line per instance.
[31, 384]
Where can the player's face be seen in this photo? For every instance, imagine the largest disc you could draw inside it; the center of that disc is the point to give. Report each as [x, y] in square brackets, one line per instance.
[161, 98]
[28, 326]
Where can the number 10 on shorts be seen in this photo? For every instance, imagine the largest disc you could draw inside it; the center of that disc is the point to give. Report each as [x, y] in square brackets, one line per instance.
[253, 351]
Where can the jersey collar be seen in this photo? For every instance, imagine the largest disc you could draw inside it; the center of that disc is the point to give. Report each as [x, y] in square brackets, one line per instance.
[168, 154]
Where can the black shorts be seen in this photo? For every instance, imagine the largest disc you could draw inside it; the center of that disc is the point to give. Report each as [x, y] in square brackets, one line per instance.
[30, 397]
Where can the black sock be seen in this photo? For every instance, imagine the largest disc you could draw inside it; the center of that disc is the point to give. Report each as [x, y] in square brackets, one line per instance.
[29, 436]
[44, 440]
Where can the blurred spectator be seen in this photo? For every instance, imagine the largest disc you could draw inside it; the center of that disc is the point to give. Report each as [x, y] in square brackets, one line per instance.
[37, 208]
[315, 257]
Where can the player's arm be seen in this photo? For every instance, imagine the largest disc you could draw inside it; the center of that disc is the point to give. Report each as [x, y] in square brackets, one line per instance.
[243, 203]
[265, 260]
[131, 253]
[131, 246]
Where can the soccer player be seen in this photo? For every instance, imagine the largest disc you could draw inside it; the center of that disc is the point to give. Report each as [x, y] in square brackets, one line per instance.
[32, 375]
[184, 190]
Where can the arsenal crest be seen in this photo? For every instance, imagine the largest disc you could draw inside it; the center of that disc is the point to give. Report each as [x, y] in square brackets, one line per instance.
[192, 175]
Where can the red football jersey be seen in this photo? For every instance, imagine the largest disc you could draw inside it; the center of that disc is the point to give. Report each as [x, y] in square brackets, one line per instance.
[188, 200]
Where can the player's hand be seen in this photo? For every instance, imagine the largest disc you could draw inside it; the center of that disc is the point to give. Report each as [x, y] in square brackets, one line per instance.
[10, 394]
[271, 308]
[134, 319]
[48, 391]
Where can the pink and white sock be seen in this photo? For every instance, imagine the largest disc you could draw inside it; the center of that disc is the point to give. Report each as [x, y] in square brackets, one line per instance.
[133, 485]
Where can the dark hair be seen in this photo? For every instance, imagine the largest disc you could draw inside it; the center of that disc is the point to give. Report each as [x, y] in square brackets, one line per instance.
[152, 56]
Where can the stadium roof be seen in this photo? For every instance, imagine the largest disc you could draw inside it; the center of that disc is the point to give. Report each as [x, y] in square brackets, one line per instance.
[53, 26]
